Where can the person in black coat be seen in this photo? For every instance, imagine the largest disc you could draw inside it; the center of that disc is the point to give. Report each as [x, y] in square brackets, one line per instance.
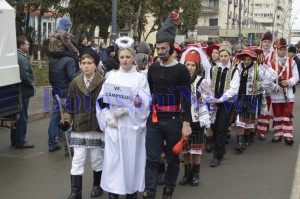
[111, 63]
[61, 72]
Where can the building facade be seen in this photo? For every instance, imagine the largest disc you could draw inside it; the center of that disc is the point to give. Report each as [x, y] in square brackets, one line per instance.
[220, 19]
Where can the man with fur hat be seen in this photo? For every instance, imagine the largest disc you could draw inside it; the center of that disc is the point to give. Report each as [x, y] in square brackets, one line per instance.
[224, 80]
[111, 63]
[170, 86]
[263, 120]
[282, 95]
[143, 57]
[60, 44]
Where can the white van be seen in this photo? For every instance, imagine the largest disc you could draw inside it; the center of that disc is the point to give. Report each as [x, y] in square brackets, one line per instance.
[10, 99]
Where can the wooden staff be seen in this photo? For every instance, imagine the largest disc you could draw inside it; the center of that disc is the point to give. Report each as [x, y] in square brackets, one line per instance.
[62, 120]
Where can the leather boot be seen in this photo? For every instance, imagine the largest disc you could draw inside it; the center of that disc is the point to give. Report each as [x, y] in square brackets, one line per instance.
[97, 190]
[131, 196]
[148, 195]
[167, 193]
[76, 185]
[187, 175]
[195, 175]
[247, 139]
[13, 137]
[208, 143]
[240, 145]
[251, 138]
[113, 196]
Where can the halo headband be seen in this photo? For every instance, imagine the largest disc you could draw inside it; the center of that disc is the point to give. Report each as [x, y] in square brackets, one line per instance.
[125, 42]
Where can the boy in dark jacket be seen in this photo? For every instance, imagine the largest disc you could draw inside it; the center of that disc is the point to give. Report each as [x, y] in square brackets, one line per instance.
[81, 113]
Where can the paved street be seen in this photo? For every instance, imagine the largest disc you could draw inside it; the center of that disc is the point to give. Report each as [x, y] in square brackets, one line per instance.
[264, 171]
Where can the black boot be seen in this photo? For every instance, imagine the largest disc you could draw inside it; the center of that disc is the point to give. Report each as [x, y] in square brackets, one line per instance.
[195, 175]
[131, 196]
[208, 143]
[167, 193]
[240, 145]
[148, 195]
[251, 137]
[13, 137]
[187, 175]
[113, 196]
[161, 173]
[247, 139]
[97, 190]
[76, 185]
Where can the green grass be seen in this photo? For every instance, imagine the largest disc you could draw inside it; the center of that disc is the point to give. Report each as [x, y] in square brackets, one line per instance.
[41, 75]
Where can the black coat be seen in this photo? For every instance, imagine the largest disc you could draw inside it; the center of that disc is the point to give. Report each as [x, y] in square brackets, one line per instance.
[61, 72]
[111, 64]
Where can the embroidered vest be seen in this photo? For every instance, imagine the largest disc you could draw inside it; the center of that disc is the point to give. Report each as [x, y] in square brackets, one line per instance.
[284, 72]
[253, 85]
[195, 99]
[227, 79]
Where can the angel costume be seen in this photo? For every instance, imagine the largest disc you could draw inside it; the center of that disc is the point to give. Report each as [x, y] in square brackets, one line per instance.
[125, 153]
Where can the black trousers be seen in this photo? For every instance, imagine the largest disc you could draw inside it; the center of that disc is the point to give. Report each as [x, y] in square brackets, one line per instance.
[168, 130]
[220, 129]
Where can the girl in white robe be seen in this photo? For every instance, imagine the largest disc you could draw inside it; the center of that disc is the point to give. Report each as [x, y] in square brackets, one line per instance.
[125, 130]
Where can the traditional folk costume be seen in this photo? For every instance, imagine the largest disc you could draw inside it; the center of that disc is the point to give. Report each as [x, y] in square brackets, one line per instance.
[170, 87]
[283, 102]
[224, 80]
[124, 126]
[86, 134]
[251, 96]
[210, 137]
[263, 120]
[200, 116]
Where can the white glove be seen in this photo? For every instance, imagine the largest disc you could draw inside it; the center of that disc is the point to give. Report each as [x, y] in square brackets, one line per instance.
[203, 116]
[120, 111]
[111, 120]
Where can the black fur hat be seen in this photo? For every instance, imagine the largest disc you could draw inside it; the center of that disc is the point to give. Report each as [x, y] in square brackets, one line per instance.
[93, 54]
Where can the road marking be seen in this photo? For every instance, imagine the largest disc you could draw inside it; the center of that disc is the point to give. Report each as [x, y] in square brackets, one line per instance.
[295, 193]
[33, 155]
[19, 156]
[9, 156]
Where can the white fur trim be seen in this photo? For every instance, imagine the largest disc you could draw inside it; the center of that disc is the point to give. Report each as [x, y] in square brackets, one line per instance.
[288, 135]
[125, 42]
[278, 134]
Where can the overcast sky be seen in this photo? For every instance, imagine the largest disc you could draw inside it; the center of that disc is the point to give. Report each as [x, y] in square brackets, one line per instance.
[296, 14]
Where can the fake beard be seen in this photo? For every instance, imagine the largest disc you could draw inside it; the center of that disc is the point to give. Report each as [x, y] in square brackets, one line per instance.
[163, 55]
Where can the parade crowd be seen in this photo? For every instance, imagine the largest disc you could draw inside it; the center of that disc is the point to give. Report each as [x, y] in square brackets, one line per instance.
[130, 107]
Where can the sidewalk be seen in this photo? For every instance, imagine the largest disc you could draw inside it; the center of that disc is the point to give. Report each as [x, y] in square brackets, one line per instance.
[40, 104]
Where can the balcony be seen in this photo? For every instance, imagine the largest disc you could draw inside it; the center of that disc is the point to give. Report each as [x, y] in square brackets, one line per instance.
[281, 5]
[208, 30]
[208, 10]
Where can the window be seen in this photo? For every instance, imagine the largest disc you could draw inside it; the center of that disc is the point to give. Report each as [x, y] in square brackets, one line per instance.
[213, 3]
[213, 22]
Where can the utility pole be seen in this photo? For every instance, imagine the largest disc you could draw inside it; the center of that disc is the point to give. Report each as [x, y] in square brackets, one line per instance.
[227, 23]
[240, 36]
[114, 22]
[273, 27]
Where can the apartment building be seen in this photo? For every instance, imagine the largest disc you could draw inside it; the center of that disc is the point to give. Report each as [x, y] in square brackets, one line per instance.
[220, 19]
[273, 15]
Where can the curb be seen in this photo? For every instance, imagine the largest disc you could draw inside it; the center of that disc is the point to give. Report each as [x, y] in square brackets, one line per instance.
[38, 116]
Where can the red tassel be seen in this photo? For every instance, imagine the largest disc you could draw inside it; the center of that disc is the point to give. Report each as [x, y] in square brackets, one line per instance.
[177, 149]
